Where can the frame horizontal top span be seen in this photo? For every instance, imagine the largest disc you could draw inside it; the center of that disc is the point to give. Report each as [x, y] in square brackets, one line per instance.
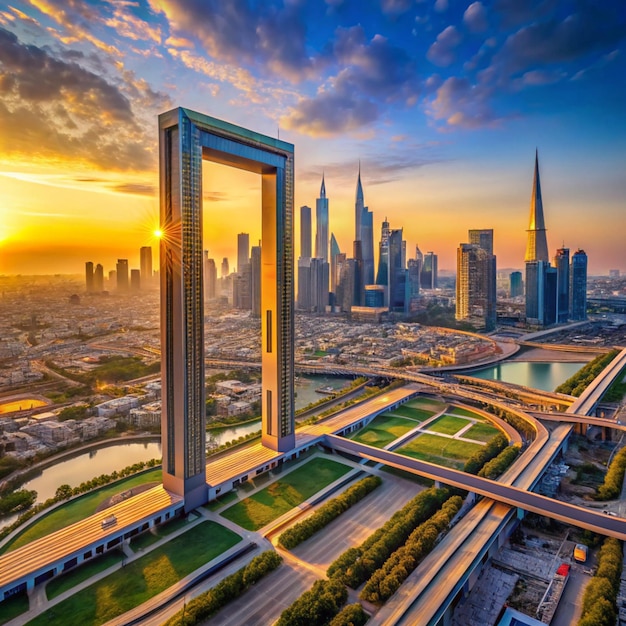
[219, 127]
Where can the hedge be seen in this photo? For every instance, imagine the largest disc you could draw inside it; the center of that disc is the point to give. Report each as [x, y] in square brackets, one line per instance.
[487, 452]
[230, 588]
[386, 580]
[501, 463]
[327, 513]
[611, 488]
[356, 565]
[350, 615]
[600, 598]
[577, 383]
[317, 606]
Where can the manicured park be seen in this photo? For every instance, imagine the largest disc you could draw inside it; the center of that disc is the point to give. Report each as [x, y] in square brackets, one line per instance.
[383, 430]
[447, 425]
[78, 509]
[282, 495]
[142, 579]
[481, 432]
[440, 450]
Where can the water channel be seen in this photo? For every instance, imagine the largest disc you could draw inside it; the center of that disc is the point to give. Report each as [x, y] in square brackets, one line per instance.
[84, 466]
[74, 470]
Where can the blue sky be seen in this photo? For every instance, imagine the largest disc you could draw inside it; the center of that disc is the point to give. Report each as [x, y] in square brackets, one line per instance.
[443, 102]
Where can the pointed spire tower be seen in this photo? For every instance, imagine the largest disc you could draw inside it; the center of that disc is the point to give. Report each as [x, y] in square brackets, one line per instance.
[323, 188]
[358, 206]
[537, 245]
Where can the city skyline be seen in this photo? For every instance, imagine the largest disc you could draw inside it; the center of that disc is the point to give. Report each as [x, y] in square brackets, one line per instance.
[442, 104]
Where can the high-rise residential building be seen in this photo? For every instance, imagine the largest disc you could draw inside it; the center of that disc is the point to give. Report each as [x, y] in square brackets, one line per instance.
[516, 285]
[210, 278]
[537, 243]
[112, 279]
[305, 232]
[145, 264]
[561, 263]
[98, 279]
[135, 280]
[89, 281]
[121, 269]
[397, 282]
[414, 268]
[334, 253]
[242, 289]
[429, 271]
[535, 292]
[476, 279]
[225, 271]
[255, 280]
[319, 285]
[382, 275]
[243, 251]
[304, 284]
[367, 246]
[357, 278]
[321, 224]
[578, 286]
[483, 238]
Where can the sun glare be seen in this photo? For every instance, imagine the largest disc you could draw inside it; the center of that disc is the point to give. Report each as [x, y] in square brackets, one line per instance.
[158, 233]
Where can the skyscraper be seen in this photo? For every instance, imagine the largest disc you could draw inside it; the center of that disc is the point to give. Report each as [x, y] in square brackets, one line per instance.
[364, 232]
[561, 263]
[225, 270]
[121, 270]
[429, 271]
[135, 280]
[321, 224]
[535, 292]
[382, 277]
[89, 276]
[397, 282]
[243, 251]
[145, 264]
[98, 279]
[516, 286]
[476, 279]
[413, 270]
[537, 244]
[334, 252]
[305, 232]
[210, 279]
[319, 285]
[578, 286]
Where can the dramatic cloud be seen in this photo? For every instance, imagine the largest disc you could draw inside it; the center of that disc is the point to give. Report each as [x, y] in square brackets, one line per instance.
[443, 50]
[374, 74]
[592, 29]
[475, 17]
[460, 103]
[53, 109]
[265, 35]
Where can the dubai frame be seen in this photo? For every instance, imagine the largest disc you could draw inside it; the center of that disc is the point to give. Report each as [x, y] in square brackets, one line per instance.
[186, 138]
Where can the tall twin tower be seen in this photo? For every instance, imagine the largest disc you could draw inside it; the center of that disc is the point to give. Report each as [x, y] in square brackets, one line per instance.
[554, 293]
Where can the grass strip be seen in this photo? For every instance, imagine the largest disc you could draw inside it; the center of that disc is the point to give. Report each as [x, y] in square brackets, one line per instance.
[230, 588]
[142, 579]
[13, 606]
[74, 577]
[328, 512]
[447, 425]
[282, 495]
[78, 509]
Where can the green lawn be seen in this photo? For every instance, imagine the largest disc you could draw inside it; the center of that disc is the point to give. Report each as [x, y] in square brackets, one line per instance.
[482, 432]
[383, 430]
[419, 415]
[142, 579]
[457, 410]
[78, 509]
[447, 425]
[142, 541]
[221, 501]
[98, 564]
[11, 608]
[281, 496]
[440, 450]
[429, 404]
